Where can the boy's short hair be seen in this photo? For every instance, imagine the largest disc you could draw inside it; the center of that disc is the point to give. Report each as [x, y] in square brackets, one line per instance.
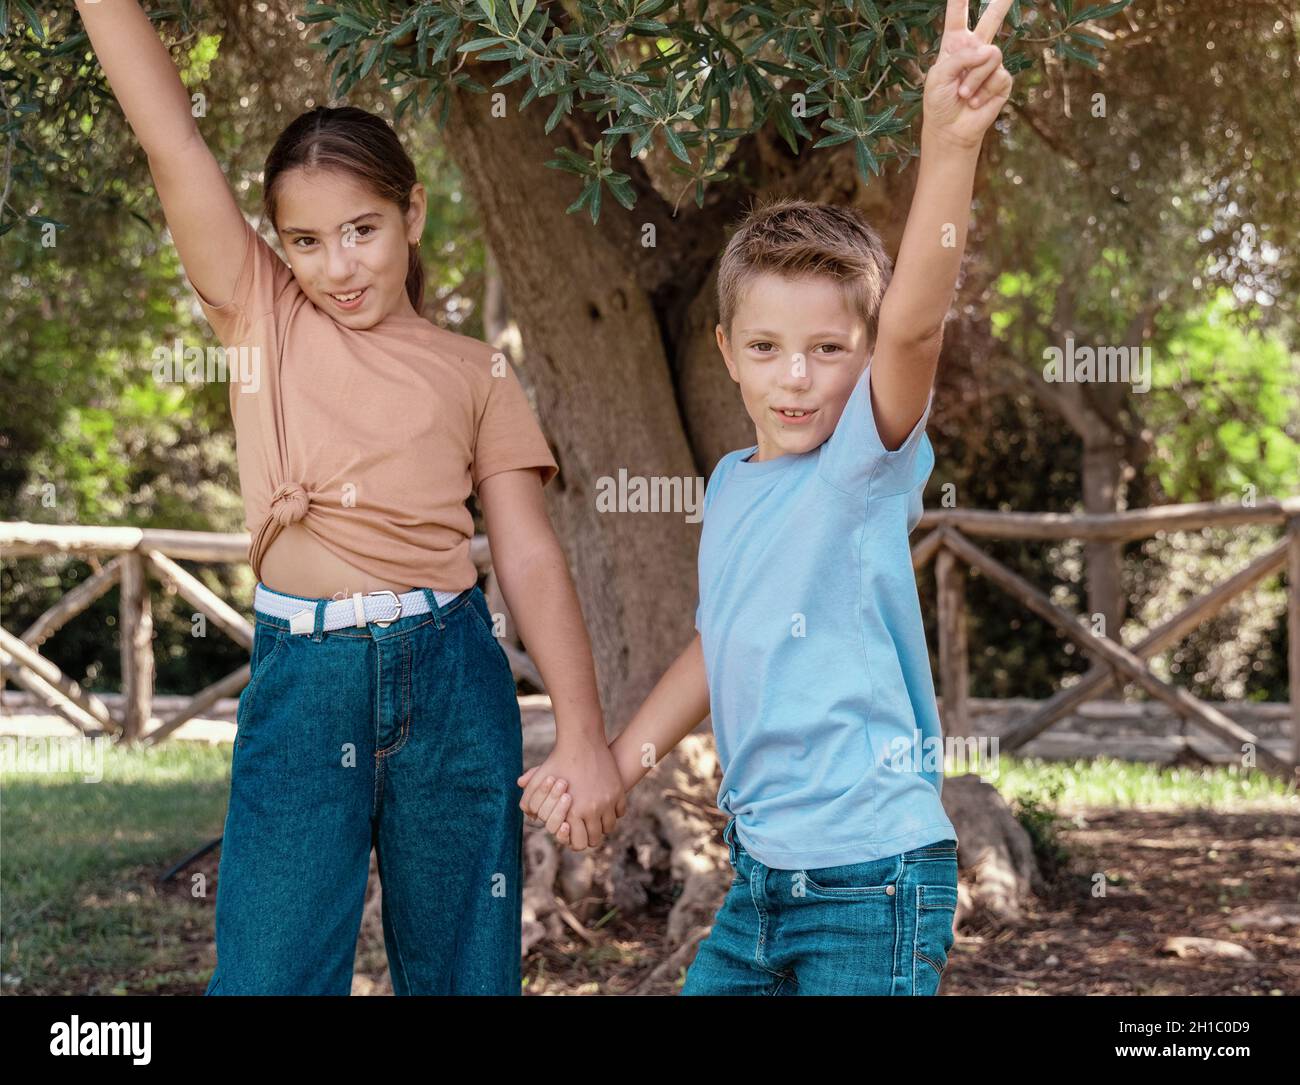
[799, 239]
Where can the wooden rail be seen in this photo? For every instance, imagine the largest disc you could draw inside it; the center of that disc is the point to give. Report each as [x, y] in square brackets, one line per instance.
[946, 538]
[947, 543]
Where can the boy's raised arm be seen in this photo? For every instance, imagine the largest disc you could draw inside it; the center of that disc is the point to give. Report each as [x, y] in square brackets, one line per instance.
[204, 219]
[964, 92]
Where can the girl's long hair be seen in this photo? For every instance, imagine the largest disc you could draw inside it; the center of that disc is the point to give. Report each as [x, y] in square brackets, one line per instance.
[354, 142]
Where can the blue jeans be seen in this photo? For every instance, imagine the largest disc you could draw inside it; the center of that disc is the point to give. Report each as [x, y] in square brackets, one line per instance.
[404, 738]
[877, 928]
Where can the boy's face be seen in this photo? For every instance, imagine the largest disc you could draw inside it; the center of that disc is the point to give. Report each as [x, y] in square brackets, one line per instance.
[341, 238]
[795, 343]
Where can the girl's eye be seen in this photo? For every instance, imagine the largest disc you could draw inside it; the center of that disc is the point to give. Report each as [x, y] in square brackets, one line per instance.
[369, 228]
[298, 241]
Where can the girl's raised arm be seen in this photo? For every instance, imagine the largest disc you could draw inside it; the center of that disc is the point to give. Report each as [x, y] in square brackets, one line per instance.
[201, 212]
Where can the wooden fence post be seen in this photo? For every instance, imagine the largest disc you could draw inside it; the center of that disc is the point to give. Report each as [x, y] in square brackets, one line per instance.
[954, 666]
[1293, 632]
[136, 644]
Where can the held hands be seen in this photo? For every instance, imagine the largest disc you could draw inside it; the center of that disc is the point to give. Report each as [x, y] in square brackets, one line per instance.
[968, 86]
[576, 792]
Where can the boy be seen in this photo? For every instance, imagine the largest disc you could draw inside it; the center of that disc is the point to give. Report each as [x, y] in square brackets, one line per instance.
[811, 652]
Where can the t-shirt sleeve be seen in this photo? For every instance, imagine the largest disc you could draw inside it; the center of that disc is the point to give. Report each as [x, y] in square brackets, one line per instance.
[264, 281]
[855, 460]
[508, 436]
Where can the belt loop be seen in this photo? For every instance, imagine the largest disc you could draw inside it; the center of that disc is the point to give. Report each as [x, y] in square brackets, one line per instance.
[729, 835]
[435, 608]
[318, 633]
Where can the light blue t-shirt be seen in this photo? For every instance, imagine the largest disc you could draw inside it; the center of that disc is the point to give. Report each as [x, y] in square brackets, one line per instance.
[819, 680]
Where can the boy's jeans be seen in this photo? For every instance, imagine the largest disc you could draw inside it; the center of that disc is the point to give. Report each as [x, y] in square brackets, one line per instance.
[878, 928]
[405, 738]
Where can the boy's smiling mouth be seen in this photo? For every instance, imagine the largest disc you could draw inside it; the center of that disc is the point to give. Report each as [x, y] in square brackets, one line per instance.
[794, 415]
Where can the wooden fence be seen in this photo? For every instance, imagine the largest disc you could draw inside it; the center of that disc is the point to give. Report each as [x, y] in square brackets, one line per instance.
[949, 543]
[135, 553]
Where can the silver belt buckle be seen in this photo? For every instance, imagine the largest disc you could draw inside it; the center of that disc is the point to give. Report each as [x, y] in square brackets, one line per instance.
[396, 602]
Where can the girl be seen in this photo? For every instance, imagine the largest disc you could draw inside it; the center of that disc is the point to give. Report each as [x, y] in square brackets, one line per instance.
[380, 710]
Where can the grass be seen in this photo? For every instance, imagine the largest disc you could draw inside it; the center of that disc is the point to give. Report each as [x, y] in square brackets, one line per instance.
[84, 913]
[1105, 781]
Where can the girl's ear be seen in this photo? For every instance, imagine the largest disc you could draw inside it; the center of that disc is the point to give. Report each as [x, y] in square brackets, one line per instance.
[416, 214]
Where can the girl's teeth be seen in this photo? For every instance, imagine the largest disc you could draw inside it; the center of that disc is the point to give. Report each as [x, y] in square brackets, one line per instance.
[348, 297]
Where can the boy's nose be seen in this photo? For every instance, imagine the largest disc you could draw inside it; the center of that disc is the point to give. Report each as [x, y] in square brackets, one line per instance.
[794, 373]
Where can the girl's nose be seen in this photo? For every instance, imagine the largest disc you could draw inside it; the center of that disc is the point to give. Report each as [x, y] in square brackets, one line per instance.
[342, 261]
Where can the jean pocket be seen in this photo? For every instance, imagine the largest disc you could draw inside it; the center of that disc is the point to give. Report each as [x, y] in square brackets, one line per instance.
[936, 907]
[853, 880]
[267, 641]
[485, 624]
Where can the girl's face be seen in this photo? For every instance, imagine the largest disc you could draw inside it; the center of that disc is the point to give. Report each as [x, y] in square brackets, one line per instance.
[348, 248]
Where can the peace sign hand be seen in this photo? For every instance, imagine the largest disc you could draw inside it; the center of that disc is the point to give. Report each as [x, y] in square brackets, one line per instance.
[967, 87]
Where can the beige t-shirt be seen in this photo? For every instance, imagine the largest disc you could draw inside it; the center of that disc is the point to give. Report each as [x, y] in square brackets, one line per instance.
[372, 440]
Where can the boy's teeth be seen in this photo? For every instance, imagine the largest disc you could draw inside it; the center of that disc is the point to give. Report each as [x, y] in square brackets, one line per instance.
[794, 414]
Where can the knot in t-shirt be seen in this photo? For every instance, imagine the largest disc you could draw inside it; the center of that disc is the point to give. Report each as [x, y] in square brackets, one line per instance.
[289, 503]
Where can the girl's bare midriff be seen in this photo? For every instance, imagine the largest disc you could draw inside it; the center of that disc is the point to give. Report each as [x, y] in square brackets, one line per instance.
[296, 563]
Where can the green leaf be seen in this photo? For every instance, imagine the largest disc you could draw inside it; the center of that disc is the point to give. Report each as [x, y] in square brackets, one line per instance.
[318, 13]
[401, 28]
[643, 141]
[867, 162]
[1064, 48]
[371, 57]
[781, 118]
[831, 141]
[623, 193]
[480, 43]
[563, 104]
[33, 20]
[346, 18]
[581, 201]
[515, 73]
[675, 144]
[1098, 11]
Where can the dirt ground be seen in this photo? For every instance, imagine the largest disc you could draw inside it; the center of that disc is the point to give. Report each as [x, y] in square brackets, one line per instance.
[1231, 877]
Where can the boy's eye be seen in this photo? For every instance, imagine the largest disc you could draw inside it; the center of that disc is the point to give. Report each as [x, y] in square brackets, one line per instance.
[755, 346]
[833, 347]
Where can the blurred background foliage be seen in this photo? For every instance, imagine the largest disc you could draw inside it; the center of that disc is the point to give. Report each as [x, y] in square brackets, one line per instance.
[1177, 202]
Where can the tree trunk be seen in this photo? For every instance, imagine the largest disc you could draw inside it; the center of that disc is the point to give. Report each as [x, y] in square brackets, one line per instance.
[594, 356]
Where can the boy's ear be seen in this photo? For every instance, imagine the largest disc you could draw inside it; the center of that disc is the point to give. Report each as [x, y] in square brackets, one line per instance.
[725, 348]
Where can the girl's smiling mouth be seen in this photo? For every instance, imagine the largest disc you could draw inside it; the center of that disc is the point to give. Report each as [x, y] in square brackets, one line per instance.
[351, 300]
